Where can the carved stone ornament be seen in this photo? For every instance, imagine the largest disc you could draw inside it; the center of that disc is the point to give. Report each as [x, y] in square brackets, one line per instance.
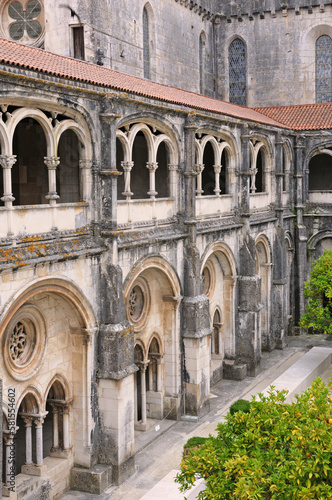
[24, 343]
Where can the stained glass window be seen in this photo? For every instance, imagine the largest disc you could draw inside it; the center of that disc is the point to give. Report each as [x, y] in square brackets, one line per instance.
[237, 58]
[146, 44]
[201, 69]
[324, 69]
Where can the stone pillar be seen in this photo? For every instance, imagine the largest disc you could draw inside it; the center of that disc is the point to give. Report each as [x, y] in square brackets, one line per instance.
[66, 426]
[196, 328]
[246, 173]
[152, 167]
[143, 368]
[39, 422]
[127, 168]
[280, 176]
[300, 230]
[173, 169]
[109, 173]
[85, 179]
[52, 162]
[28, 439]
[217, 170]
[6, 162]
[199, 169]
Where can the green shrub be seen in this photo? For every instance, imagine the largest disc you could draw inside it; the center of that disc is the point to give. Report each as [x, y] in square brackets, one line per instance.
[277, 451]
[195, 441]
[240, 405]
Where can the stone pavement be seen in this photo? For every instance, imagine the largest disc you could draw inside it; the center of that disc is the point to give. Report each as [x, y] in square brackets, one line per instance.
[160, 451]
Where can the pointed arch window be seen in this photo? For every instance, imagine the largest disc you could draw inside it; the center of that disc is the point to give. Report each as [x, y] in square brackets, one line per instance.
[201, 62]
[237, 58]
[324, 69]
[146, 44]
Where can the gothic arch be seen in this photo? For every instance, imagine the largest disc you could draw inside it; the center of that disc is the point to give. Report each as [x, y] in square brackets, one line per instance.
[263, 269]
[63, 382]
[237, 70]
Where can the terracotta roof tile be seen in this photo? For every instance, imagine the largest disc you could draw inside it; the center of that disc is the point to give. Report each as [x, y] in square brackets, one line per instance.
[301, 116]
[16, 54]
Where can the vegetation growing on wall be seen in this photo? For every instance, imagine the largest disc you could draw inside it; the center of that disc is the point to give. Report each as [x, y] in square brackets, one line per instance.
[318, 291]
[275, 451]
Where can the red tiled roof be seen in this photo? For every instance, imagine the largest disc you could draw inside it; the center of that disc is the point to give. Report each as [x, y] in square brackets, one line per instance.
[301, 116]
[16, 54]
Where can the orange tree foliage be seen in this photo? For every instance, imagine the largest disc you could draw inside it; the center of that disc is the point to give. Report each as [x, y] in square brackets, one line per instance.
[276, 451]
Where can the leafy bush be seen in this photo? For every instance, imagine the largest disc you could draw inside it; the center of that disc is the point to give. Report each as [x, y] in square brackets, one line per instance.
[276, 451]
[195, 441]
[240, 405]
[318, 291]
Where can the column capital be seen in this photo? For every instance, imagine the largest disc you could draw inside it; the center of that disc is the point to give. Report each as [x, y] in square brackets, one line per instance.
[217, 168]
[51, 162]
[7, 161]
[127, 165]
[152, 166]
[39, 419]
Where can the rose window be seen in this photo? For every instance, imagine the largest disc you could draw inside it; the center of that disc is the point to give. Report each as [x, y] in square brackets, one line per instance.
[136, 303]
[18, 342]
[25, 20]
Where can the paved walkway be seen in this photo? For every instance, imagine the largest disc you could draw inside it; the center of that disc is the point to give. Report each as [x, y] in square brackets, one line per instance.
[157, 462]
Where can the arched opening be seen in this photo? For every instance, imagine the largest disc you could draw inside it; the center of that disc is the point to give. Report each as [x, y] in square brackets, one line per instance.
[140, 173]
[219, 285]
[223, 173]
[324, 69]
[237, 60]
[162, 178]
[146, 44]
[320, 172]
[216, 334]
[29, 173]
[67, 172]
[208, 174]
[138, 359]
[153, 310]
[29, 435]
[58, 412]
[119, 160]
[1, 182]
[260, 175]
[154, 366]
[263, 269]
[290, 285]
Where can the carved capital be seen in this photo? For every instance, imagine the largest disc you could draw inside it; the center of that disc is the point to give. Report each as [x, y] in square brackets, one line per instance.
[85, 164]
[152, 166]
[7, 161]
[51, 162]
[173, 168]
[127, 165]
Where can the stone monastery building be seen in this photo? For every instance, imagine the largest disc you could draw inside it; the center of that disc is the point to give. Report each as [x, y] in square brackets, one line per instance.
[166, 184]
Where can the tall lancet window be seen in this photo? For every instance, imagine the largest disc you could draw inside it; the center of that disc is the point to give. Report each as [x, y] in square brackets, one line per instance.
[201, 62]
[324, 69]
[146, 44]
[237, 59]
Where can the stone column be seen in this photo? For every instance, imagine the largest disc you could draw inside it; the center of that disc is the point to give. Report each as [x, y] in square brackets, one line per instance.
[127, 168]
[143, 367]
[173, 169]
[6, 162]
[152, 167]
[85, 179]
[217, 170]
[28, 439]
[39, 422]
[52, 162]
[198, 170]
[55, 414]
[66, 427]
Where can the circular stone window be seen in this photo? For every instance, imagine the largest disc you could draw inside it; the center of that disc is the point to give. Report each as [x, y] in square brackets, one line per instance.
[23, 21]
[24, 343]
[138, 303]
[208, 278]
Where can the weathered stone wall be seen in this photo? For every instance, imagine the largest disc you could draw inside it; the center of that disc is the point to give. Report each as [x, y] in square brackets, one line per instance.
[280, 48]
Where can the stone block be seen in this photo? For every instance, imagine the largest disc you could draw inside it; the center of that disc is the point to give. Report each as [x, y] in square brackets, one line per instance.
[94, 480]
[233, 371]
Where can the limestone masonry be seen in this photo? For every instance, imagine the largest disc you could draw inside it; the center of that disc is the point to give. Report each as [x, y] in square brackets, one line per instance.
[165, 186]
